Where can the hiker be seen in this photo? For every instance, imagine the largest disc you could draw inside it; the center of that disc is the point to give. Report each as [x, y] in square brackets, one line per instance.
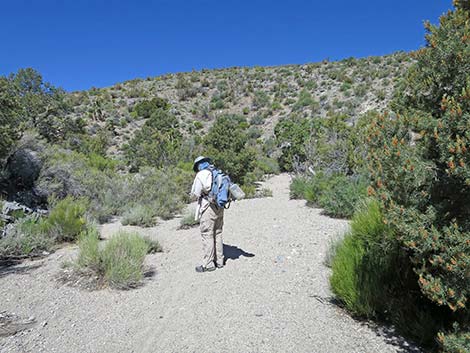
[211, 217]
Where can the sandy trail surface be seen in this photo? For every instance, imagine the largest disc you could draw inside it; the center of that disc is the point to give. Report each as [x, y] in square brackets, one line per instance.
[272, 295]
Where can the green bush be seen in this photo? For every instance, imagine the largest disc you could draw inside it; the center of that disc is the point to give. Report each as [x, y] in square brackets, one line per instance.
[120, 261]
[111, 193]
[139, 215]
[341, 195]
[454, 342]
[165, 192]
[76, 174]
[152, 245]
[337, 194]
[67, 219]
[226, 143]
[298, 187]
[146, 108]
[419, 164]
[188, 220]
[31, 236]
[358, 266]
[157, 144]
[291, 134]
[305, 100]
[28, 237]
[267, 165]
[27, 102]
[89, 252]
[123, 259]
[260, 99]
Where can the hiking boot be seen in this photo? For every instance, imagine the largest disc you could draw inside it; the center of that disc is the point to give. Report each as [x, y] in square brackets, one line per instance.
[204, 269]
[219, 266]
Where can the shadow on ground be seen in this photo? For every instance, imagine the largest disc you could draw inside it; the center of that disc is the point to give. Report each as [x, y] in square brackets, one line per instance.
[233, 252]
[390, 335]
[8, 267]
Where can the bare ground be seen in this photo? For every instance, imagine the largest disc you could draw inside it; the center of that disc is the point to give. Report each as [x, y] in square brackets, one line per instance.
[272, 295]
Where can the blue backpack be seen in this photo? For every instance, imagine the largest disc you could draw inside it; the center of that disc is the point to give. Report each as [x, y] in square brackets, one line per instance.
[220, 190]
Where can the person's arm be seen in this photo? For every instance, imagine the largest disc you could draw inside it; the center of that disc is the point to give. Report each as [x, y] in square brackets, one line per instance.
[196, 190]
[202, 184]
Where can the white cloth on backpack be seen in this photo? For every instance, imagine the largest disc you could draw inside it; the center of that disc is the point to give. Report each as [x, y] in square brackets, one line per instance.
[201, 186]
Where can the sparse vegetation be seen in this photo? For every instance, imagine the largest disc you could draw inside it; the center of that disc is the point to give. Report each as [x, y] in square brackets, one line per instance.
[28, 238]
[120, 262]
[337, 194]
[188, 220]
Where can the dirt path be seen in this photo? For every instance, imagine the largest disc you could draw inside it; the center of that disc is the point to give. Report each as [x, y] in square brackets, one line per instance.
[272, 295]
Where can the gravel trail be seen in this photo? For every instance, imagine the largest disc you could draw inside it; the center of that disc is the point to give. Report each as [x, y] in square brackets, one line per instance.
[272, 295]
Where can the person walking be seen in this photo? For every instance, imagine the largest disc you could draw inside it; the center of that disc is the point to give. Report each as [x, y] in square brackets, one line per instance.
[210, 215]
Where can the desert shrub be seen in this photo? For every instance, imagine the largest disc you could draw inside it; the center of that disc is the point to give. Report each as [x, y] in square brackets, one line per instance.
[67, 220]
[311, 85]
[110, 193]
[72, 173]
[217, 103]
[360, 90]
[257, 120]
[381, 94]
[260, 99]
[164, 192]
[120, 262]
[123, 259]
[86, 144]
[156, 144]
[325, 144]
[89, 252]
[298, 187]
[359, 269]
[27, 237]
[33, 235]
[337, 194]
[368, 270]
[335, 146]
[153, 246]
[291, 134]
[345, 87]
[139, 215]
[341, 195]
[198, 125]
[226, 143]
[305, 100]
[267, 165]
[188, 220]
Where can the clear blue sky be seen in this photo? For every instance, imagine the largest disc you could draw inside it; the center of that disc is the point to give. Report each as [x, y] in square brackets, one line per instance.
[79, 44]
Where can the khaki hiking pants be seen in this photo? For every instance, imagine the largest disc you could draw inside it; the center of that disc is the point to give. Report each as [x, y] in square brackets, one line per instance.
[212, 222]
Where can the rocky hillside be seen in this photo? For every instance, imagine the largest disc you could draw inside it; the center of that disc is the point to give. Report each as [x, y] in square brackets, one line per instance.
[262, 94]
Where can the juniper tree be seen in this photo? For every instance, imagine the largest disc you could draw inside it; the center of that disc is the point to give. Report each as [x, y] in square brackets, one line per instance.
[420, 165]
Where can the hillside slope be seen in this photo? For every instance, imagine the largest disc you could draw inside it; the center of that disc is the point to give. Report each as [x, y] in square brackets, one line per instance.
[262, 94]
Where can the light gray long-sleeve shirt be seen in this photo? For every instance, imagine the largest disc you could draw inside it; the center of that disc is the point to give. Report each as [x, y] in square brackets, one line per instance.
[201, 186]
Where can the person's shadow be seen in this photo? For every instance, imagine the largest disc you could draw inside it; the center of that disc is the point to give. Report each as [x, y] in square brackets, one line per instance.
[233, 252]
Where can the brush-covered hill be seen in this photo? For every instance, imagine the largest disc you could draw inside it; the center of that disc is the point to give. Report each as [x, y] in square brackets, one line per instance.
[127, 149]
[262, 94]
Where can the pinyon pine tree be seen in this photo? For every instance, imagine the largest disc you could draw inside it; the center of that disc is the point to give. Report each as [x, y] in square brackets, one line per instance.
[420, 166]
